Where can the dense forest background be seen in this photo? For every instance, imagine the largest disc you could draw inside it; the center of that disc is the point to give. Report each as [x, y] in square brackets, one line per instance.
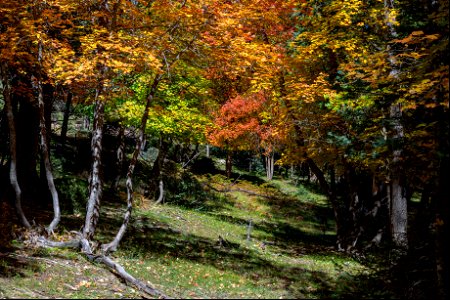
[130, 99]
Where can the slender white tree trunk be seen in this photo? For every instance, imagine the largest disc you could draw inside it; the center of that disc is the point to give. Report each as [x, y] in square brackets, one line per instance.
[45, 152]
[96, 183]
[270, 161]
[45, 156]
[112, 246]
[12, 147]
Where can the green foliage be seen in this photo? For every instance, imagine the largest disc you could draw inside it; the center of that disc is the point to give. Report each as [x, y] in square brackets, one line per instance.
[73, 192]
[176, 111]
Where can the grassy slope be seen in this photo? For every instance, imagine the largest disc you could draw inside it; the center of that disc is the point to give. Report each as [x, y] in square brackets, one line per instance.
[177, 248]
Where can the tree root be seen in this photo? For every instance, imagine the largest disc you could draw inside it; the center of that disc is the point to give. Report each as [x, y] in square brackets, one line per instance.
[83, 244]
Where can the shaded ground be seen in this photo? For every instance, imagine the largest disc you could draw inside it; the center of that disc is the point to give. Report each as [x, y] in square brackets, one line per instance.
[196, 246]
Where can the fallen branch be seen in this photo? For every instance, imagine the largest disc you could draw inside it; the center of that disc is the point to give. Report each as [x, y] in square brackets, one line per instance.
[83, 244]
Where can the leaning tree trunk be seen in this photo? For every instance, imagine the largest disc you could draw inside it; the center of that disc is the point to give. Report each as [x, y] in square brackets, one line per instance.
[46, 159]
[112, 246]
[13, 150]
[96, 182]
[340, 228]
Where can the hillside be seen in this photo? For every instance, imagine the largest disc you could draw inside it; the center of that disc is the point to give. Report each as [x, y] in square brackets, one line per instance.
[202, 247]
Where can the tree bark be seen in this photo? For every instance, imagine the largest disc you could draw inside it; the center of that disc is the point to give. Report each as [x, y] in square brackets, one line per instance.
[156, 173]
[120, 156]
[112, 246]
[270, 160]
[340, 234]
[96, 182]
[161, 193]
[12, 147]
[229, 163]
[65, 123]
[46, 159]
[398, 203]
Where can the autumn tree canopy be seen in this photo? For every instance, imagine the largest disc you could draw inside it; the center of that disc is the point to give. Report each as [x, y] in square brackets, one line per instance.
[356, 92]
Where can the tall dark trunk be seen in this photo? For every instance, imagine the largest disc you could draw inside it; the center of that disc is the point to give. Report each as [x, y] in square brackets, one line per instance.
[65, 124]
[27, 136]
[340, 230]
[441, 225]
[229, 163]
[12, 147]
[96, 181]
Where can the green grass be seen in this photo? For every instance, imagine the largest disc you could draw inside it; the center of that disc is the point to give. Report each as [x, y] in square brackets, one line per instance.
[176, 247]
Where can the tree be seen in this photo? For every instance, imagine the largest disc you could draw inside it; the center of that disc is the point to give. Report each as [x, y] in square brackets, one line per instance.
[235, 126]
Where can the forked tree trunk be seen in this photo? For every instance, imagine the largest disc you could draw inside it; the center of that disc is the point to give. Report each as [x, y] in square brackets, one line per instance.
[96, 182]
[12, 147]
[46, 159]
[112, 246]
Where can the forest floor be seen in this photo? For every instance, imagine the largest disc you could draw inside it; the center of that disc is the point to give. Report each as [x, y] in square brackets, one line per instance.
[203, 247]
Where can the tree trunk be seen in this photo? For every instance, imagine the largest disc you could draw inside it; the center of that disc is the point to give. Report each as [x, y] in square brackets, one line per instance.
[12, 146]
[46, 159]
[398, 205]
[120, 155]
[207, 150]
[27, 137]
[399, 216]
[95, 182]
[229, 163]
[270, 160]
[161, 193]
[112, 246]
[398, 200]
[156, 173]
[340, 233]
[441, 223]
[65, 123]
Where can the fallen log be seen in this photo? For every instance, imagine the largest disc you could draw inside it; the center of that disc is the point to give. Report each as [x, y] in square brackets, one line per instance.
[82, 244]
